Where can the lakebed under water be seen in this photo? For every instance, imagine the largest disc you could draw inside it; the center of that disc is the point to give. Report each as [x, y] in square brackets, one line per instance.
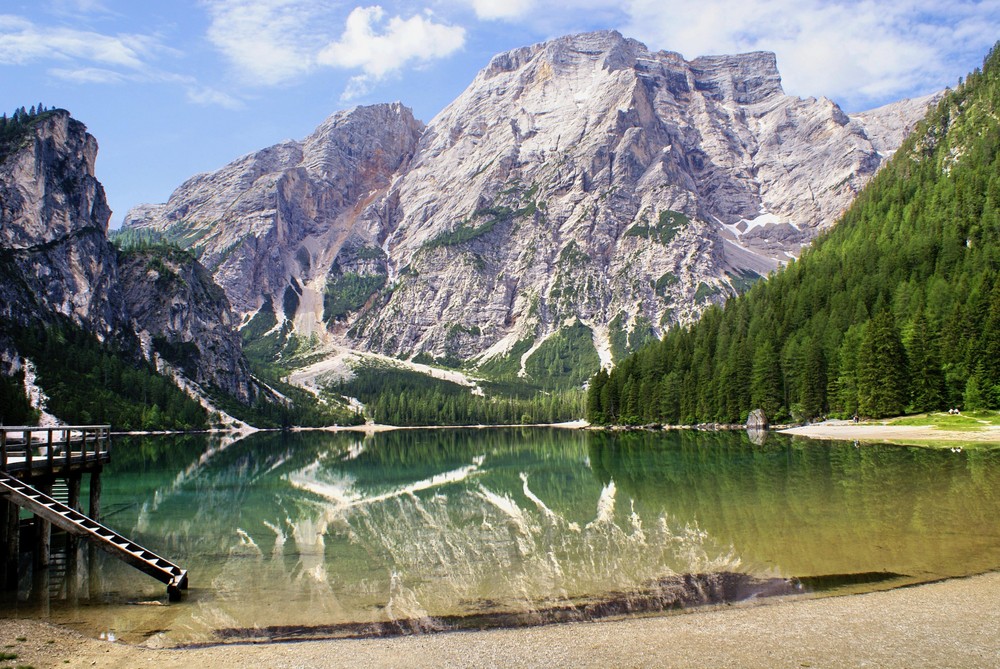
[321, 534]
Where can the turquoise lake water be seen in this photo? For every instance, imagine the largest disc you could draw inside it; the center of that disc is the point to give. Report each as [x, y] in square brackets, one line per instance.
[318, 534]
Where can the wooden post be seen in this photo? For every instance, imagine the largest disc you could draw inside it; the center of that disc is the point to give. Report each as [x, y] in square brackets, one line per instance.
[74, 483]
[43, 532]
[73, 547]
[48, 453]
[12, 545]
[93, 574]
[95, 494]
[4, 521]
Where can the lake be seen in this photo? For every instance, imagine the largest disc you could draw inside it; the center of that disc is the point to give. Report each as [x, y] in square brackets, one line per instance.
[318, 534]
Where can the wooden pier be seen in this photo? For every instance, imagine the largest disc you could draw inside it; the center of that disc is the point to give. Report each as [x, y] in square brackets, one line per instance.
[31, 459]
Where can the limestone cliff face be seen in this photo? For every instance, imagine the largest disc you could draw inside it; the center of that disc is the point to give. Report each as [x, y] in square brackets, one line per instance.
[274, 222]
[54, 250]
[182, 316]
[582, 180]
[56, 260]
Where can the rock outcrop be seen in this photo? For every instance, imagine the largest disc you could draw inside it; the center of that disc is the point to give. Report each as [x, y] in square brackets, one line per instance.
[54, 253]
[274, 222]
[182, 316]
[57, 264]
[585, 180]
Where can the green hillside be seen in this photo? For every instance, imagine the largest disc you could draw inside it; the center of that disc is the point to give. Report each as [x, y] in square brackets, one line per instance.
[896, 309]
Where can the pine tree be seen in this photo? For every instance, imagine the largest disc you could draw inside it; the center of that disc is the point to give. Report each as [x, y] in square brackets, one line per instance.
[595, 410]
[765, 384]
[926, 377]
[812, 381]
[882, 369]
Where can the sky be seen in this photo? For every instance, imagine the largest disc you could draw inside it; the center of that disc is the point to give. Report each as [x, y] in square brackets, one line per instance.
[178, 87]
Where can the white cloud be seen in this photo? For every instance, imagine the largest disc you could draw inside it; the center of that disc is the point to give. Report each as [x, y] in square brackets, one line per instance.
[857, 51]
[21, 42]
[88, 75]
[378, 47]
[268, 41]
[274, 41]
[502, 9]
[209, 97]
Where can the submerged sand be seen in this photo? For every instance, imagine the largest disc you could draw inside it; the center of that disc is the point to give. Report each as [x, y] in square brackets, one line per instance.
[951, 623]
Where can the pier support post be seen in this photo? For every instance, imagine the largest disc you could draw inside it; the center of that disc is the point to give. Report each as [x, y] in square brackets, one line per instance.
[93, 574]
[95, 495]
[72, 541]
[74, 485]
[43, 532]
[73, 501]
[11, 526]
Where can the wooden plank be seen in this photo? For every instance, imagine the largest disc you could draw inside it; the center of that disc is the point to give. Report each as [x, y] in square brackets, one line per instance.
[103, 537]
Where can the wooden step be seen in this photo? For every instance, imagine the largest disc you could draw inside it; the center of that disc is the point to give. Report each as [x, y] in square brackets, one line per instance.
[105, 538]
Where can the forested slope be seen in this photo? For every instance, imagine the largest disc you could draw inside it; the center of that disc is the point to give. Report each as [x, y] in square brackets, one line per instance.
[896, 309]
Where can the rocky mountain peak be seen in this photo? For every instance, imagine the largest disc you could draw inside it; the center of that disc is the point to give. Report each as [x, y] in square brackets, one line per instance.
[53, 225]
[57, 265]
[582, 192]
[274, 221]
[744, 79]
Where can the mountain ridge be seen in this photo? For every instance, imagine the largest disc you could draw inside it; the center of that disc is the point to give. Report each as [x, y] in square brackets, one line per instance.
[895, 309]
[584, 180]
[67, 292]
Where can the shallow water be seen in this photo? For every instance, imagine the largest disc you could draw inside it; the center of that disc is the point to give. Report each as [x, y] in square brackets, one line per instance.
[316, 534]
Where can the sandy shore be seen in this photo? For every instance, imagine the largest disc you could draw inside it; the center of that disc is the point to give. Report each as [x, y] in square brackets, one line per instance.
[916, 435]
[951, 623]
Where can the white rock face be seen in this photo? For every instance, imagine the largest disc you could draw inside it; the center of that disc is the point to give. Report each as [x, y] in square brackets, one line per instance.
[54, 254]
[55, 260]
[585, 179]
[271, 222]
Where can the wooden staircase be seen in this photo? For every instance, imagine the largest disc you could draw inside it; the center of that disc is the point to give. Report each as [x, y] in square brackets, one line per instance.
[78, 524]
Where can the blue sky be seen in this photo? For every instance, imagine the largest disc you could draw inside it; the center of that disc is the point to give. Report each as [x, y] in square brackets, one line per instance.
[174, 88]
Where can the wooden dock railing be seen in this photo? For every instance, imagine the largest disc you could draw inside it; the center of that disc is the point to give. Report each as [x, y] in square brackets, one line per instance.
[47, 450]
[30, 458]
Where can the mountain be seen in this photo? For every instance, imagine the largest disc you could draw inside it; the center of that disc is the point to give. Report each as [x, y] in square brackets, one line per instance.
[579, 198]
[184, 317]
[54, 250]
[896, 309]
[96, 323]
[270, 222]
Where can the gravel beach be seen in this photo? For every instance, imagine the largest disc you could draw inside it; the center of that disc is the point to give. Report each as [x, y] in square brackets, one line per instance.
[950, 623]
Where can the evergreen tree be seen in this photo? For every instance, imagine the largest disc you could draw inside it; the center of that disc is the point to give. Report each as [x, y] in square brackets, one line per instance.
[765, 386]
[882, 369]
[812, 381]
[916, 252]
[594, 408]
[926, 378]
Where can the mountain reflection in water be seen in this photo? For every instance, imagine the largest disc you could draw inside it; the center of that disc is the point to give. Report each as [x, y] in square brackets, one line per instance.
[317, 534]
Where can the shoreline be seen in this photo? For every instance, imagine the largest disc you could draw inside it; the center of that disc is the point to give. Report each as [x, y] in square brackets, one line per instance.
[903, 435]
[944, 623]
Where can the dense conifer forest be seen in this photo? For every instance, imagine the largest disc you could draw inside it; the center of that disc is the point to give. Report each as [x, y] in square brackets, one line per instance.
[402, 397]
[896, 309]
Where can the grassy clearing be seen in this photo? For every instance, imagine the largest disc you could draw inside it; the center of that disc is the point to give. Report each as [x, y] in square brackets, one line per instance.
[971, 421]
[947, 444]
